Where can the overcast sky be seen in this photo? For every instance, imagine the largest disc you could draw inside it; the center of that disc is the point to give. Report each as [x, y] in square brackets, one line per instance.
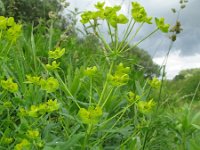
[186, 50]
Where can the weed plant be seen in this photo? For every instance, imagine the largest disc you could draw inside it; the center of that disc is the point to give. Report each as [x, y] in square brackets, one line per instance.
[55, 94]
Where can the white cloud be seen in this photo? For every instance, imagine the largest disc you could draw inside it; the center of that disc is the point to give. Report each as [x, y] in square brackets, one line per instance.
[176, 63]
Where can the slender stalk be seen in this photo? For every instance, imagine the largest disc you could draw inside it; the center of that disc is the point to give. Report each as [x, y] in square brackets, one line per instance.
[110, 32]
[105, 85]
[126, 35]
[153, 32]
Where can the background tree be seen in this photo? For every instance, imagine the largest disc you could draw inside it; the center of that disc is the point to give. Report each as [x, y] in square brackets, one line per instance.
[31, 11]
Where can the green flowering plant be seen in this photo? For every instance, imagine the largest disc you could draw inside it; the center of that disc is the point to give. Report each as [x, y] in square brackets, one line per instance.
[57, 53]
[33, 79]
[24, 144]
[146, 106]
[161, 25]
[53, 66]
[50, 85]
[155, 83]
[120, 76]
[139, 14]
[90, 71]
[9, 29]
[90, 115]
[36, 111]
[132, 97]
[9, 85]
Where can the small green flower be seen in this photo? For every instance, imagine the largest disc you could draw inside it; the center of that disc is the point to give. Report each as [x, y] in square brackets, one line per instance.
[7, 104]
[34, 111]
[90, 71]
[50, 85]
[23, 145]
[161, 25]
[132, 97]
[145, 107]
[14, 32]
[85, 17]
[6, 140]
[120, 76]
[53, 66]
[10, 21]
[52, 105]
[90, 116]
[57, 53]
[9, 85]
[33, 79]
[139, 14]
[155, 83]
[3, 23]
[33, 134]
[100, 5]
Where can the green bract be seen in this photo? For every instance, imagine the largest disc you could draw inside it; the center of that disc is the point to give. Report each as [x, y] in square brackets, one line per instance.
[50, 85]
[139, 14]
[120, 76]
[9, 85]
[108, 13]
[155, 83]
[53, 66]
[90, 116]
[90, 71]
[100, 5]
[33, 79]
[145, 107]
[161, 25]
[57, 53]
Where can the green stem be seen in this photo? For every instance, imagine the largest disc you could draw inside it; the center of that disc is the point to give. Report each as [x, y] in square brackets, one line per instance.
[126, 35]
[110, 31]
[105, 85]
[141, 40]
[131, 39]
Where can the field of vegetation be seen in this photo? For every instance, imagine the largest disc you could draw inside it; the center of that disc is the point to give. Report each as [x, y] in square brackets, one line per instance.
[63, 88]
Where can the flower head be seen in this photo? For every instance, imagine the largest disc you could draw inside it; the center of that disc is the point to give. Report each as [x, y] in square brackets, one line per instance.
[9, 85]
[90, 116]
[57, 53]
[50, 85]
[161, 25]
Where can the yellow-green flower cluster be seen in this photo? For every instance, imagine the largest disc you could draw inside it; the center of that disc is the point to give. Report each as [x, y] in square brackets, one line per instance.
[23, 145]
[33, 134]
[161, 25]
[132, 97]
[145, 106]
[33, 79]
[53, 66]
[9, 85]
[120, 76]
[155, 83]
[90, 71]
[57, 53]
[50, 85]
[6, 140]
[90, 116]
[107, 13]
[41, 109]
[139, 14]
[9, 28]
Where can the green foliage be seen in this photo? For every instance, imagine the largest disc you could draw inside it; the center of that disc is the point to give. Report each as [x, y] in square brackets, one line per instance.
[60, 91]
[29, 11]
[190, 79]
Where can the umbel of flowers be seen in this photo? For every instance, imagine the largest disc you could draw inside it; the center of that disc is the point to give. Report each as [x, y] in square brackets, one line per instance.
[10, 30]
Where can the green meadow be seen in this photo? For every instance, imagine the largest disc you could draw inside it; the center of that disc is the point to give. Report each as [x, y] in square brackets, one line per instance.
[63, 88]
